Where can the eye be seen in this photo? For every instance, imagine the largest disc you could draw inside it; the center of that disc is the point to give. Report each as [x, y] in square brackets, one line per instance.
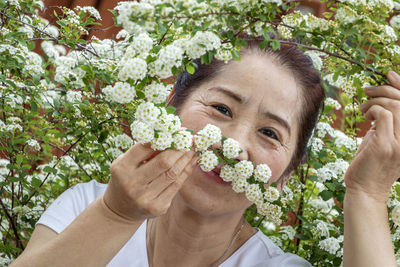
[270, 133]
[223, 109]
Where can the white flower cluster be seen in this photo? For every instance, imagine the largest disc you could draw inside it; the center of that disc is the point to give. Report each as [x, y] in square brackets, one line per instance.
[33, 64]
[396, 215]
[91, 10]
[132, 68]
[321, 229]
[341, 139]
[316, 58]
[231, 148]
[157, 93]
[323, 128]
[330, 102]
[202, 42]
[208, 160]
[287, 232]
[153, 124]
[34, 144]
[331, 245]
[346, 15]
[207, 137]
[332, 170]
[169, 56]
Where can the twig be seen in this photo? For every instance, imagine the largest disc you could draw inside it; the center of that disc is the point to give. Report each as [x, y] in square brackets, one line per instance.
[51, 38]
[12, 222]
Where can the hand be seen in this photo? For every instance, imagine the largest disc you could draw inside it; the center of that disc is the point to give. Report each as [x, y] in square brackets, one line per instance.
[377, 163]
[144, 182]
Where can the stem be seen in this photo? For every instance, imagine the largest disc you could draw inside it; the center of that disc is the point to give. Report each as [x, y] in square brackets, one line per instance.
[51, 38]
[66, 152]
[20, 245]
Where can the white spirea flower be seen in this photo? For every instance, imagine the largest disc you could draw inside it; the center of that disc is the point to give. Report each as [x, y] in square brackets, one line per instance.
[325, 174]
[332, 103]
[316, 144]
[114, 152]
[287, 232]
[142, 132]
[395, 22]
[272, 212]
[123, 141]
[167, 122]
[228, 173]
[73, 96]
[123, 92]
[147, 112]
[330, 245]
[34, 144]
[135, 69]
[321, 229]
[91, 10]
[341, 139]
[316, 58]
[201, 43]
[253, 193]
[244, 168]
[240, 184]
[396, 215]
[142, 44]
[163, 141]
[271, 194]
[323, 129]
[208, 161]
[157, 93]
[262, 173]
[224, 53]
[207, 137]
[231, 148]
[346, 15]
[183, 140]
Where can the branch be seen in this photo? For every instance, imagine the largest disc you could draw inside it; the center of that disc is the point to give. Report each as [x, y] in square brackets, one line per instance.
[335, 55]
[65, 152]
[51, 38]
[20, 245]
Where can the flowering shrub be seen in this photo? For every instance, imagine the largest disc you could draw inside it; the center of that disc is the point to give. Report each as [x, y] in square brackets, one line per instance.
[68, 113]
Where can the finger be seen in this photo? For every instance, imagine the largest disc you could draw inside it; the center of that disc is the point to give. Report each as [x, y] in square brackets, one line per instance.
[137, 153]
[389, 104]
[175, 174]
[394, 79]
[383, 121]
[383, 91]
[160, 164]
[169, 193]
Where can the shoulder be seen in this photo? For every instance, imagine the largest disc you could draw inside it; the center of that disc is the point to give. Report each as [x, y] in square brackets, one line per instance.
[260, 251]
[70, 204]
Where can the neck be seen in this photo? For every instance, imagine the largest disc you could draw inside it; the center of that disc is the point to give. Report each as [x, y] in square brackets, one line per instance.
[183, 237]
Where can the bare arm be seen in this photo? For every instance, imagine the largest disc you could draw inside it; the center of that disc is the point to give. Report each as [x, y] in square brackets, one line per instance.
[91, 240]
[135, 192]
[367, 240]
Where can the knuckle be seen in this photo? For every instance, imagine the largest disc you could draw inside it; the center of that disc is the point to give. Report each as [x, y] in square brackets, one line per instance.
[172, 174]
[163, 163]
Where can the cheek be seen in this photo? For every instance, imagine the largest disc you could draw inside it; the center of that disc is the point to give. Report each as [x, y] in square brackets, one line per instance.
[278, 162]
[194, 119]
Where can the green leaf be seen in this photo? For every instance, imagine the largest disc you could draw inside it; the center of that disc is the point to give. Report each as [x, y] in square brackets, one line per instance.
[326, 195]
[31, 46]
[235, 55]
[170, 110]
[275, 44]
[140, 94]
[190, 68]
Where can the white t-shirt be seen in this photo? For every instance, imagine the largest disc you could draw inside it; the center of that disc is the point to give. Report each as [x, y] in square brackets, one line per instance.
[258, 251]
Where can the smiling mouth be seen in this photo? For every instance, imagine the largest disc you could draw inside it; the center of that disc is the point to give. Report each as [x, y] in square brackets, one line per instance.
[214, 175]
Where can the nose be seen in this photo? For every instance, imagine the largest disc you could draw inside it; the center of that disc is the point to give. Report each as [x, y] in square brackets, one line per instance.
[240, 133]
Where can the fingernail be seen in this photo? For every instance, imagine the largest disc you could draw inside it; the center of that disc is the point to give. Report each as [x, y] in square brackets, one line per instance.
[194, 161]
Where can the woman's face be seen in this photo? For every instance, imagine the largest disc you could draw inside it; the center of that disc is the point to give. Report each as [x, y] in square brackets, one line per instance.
[255, 102]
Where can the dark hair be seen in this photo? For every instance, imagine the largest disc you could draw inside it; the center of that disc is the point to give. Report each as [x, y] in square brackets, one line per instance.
[295, 61]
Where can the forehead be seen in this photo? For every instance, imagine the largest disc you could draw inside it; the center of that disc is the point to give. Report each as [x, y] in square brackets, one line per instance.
[264, 83]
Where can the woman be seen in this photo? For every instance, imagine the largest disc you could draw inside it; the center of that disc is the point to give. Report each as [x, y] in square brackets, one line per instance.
[163, 210]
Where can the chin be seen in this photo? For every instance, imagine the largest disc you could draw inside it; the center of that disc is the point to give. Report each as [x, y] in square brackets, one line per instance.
[208, 197]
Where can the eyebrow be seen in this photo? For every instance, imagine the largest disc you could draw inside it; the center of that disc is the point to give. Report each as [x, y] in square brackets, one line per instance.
[238, 98]
[242, 100]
